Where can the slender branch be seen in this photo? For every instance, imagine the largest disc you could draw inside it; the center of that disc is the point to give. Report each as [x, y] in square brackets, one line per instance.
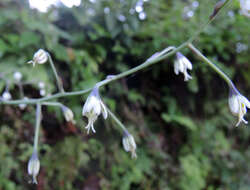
[58, 80]
[52, 104]
[212, 65]
[117, 120]
[38, 121]
[147, 63]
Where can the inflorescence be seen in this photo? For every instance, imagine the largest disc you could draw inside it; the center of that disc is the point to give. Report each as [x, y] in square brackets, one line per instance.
[94, 105]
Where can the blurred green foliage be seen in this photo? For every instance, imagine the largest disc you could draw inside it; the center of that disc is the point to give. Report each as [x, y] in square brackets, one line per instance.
[185, 134]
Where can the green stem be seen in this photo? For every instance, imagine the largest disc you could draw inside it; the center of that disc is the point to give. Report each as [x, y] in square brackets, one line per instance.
[212, 65]
[163, 55]
[58, 80]
[117, 120]
[52, 104]
[38, 121]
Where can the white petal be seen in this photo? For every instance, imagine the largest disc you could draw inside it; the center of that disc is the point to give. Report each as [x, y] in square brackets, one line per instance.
[176, 69]
[245, 101]
[234, 105]
[187, 63]
[181, 66]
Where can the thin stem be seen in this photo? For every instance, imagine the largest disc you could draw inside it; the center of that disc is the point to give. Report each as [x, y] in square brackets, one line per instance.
[38, 121]
[212, 65]
[58, 80]
[147, 63]
[52, 104]
[20, 86]
[117, 120]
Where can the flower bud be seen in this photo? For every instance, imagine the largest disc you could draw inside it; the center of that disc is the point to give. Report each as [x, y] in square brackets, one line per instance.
[129, 144]
[6, 96]
[23, 106]
[17, 76]
[34, 166]
[245, 7]
[68, 114]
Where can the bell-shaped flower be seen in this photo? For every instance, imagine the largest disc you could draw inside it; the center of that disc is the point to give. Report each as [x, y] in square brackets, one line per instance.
[181, 65]
[92, 108]
[245, 7]
[34, 166]
[238, 105]
[129, 144]
[17, 76]
[6, 96]
[39, 57]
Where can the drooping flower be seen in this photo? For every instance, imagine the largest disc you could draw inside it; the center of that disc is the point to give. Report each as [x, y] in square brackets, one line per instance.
[23, 106]
[68, 114]
[17, 76]
[34, 166]
[238, 105]
[129, 144]
[39, 57]
[245, 7]
[182, 64]
[6, 96]
[93, 107]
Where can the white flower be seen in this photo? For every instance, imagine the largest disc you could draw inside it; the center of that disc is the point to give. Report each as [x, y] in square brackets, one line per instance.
[68, 114]
[39, 57]
[129, 144]
[182, 64]
[245, 7]
[42, 92]
[6, 96]
[41, 85]
[23, 106]
[238, 105]
[34, 166]
[92, 108]
[17, 76]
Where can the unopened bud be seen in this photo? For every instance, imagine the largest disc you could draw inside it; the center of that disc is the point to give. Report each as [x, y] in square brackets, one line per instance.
[68, 114]
[6, 96]
[34, 166]
[129, 144]
[17, 76]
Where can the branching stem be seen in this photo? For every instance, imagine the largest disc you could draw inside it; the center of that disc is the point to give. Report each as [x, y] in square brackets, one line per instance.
[167, 52]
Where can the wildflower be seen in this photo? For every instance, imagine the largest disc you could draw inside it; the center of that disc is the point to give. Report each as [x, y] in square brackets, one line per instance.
[39, 57]
[93, 107]
[129, 145]
[245, 7]
[182, 64]
[42, 92]
[34, 166]
[41, 85]
[68, 114]
[23, 106]
[17, 76]
[238, 105]
[6, 96]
